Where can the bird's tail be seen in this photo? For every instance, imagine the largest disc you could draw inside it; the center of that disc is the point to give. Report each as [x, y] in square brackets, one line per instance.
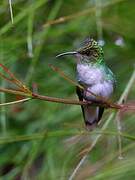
[92, 116]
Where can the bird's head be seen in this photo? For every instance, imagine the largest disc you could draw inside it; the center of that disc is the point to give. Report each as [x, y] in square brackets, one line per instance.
[90, 51]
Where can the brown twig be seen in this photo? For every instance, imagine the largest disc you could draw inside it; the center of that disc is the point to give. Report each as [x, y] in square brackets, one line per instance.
[59, 100]
[16, 92]
[15, 102]
[31, 95]
[24, 91]
[12, 79]
[78, 14]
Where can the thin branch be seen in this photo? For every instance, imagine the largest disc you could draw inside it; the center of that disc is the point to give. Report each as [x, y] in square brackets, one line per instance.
[29, 34]
[15, 102]
[45, 98]
[16, 92]
[67, 101]
[3, 119]
[62, 74]
[119, 129]
[11, 11]
[13, 79]
[24, 91]
[127, 89]
[76, 15]
[124, 94]
[117, 119]
[59, 100]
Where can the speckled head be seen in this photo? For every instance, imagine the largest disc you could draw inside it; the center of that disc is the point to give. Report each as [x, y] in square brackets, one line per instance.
[91, 49]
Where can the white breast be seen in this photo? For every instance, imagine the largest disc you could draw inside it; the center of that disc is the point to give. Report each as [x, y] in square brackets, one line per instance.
[88, 74]
[104, 89]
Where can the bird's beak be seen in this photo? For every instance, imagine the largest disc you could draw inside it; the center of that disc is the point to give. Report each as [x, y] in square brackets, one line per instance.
[66, 53]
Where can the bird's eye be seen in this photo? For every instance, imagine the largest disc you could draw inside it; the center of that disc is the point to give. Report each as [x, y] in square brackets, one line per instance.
[95, 55]
[94, 43]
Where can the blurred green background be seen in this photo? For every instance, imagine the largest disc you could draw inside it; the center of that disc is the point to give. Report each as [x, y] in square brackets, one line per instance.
[52, 145]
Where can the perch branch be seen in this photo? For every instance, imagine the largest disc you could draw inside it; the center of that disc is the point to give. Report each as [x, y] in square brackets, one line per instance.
[25, 92]
[59, 100]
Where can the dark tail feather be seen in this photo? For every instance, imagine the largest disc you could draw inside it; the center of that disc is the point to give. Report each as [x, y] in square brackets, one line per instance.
[80, 96]
[92, 115]
[100, 114]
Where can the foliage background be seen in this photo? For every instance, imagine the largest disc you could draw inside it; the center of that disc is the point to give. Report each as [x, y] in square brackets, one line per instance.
[27, 47]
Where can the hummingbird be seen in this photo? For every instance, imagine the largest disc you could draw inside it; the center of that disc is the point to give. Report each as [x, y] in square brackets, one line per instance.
[96, 78]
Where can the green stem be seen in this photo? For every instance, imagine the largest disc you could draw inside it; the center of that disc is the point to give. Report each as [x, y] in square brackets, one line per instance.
[15, 102]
